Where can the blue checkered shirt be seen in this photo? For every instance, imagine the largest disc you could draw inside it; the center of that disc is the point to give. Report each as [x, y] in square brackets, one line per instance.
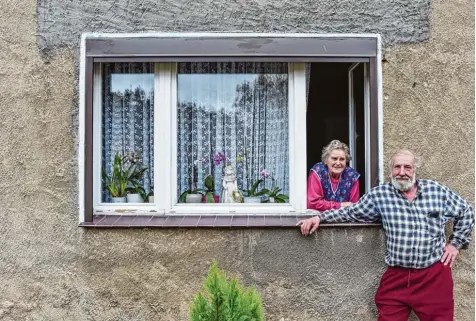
[415, 230]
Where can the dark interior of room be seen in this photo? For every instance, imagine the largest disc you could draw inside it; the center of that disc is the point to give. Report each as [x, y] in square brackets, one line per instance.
[328, 111]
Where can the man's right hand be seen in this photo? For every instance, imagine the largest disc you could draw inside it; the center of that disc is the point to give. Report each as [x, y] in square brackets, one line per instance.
[309, 226]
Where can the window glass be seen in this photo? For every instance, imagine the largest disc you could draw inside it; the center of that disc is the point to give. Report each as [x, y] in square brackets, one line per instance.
[127, 129]
[236, 114]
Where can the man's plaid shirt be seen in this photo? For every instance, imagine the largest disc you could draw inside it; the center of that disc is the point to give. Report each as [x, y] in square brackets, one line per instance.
[415, 230]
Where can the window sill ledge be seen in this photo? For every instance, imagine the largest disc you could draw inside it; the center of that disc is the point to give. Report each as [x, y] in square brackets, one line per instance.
[188, 221]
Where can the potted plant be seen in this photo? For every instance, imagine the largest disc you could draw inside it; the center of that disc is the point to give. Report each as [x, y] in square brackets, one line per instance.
[124, 180]
[150, 196]
[253, 196]
[116, 183]
[275, 196]
[192, 195]
[209, 196]
[135, 191]
[135, 194]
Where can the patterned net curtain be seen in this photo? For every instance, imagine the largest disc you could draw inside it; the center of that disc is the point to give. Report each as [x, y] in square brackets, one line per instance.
[239, 109]
[128, 116]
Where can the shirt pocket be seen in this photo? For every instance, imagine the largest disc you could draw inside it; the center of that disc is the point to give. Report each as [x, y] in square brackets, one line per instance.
[433, 224]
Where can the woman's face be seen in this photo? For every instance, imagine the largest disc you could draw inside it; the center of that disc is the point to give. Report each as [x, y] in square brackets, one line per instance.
[336, 162]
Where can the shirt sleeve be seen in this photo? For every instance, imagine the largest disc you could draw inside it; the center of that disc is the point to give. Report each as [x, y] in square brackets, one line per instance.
[462, 212]
[315, 195]
[364, 211]
[355, 192]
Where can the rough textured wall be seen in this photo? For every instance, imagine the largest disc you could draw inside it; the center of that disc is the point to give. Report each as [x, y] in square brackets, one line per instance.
[53, 270]
[61, 22]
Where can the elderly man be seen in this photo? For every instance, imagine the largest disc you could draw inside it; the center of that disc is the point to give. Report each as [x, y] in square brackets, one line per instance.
[413, 214]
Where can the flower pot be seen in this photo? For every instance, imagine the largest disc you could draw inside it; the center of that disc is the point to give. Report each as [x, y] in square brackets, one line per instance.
[193, 198]
[271, 199]
[118, 199]
[252, 199]
[134, 198]
[151, 199]
[215, 197]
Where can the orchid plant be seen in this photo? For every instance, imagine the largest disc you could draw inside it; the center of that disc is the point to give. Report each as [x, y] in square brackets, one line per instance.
[193, 181]
[252, 191]
[126, 175]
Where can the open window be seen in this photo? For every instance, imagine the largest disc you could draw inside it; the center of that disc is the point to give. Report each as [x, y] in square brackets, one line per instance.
[339, 108]
[173, 111]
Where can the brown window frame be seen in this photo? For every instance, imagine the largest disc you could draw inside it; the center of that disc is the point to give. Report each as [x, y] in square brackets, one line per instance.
[223, 47]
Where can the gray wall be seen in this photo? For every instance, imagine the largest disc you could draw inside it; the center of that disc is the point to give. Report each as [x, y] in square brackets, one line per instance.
[53, 270]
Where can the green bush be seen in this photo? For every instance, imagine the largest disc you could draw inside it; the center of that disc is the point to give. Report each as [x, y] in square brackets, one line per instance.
[222, 300]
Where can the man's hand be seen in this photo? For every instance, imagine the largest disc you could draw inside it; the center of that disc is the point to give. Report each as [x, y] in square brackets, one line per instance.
[309, 226]
[346, 204]
[449, 255]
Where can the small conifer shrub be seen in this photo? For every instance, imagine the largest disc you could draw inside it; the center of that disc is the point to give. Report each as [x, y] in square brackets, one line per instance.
[223, 300]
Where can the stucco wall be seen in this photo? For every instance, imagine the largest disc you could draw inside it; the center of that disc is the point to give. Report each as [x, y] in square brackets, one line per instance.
[53, 270]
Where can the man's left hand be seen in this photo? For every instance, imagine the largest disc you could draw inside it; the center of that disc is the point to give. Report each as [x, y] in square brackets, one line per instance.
[449, 255]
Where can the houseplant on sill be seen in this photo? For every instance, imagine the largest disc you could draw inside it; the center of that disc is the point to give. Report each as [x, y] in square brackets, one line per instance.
[193, 195]
[126, 174]
[251, 195]
[275, 196]
[116, 184]
[135, 194]
[209, 196]
[135, 191]
[150, 196]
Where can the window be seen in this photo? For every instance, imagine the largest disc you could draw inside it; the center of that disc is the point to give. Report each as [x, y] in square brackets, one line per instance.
[233, 113]
[182, 118]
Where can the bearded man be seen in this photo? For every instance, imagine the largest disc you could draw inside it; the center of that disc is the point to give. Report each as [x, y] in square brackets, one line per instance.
[413, 213]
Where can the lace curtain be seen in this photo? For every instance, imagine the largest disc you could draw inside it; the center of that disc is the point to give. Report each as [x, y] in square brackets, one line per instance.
[128, 116]
[237, 109]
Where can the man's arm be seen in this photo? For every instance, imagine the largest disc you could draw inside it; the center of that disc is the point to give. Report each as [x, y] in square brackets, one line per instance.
[363, 211]
[461, 211]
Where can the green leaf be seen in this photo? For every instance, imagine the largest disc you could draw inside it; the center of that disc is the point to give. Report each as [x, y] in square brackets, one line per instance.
[183, 196]
[209, 183]
[251, 191]
[209, 197]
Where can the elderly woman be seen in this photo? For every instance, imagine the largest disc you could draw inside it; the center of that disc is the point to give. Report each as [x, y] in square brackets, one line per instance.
[332, 183]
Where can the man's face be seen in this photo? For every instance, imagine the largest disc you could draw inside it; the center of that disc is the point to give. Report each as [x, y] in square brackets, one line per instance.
[403, 172]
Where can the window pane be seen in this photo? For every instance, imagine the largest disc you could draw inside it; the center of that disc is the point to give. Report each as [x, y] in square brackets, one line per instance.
[128, 127]
[236, 110]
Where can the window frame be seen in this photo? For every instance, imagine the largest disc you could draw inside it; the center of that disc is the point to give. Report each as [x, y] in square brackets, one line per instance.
[96, 48]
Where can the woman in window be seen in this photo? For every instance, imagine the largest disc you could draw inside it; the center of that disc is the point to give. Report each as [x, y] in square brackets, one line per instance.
[332, 183]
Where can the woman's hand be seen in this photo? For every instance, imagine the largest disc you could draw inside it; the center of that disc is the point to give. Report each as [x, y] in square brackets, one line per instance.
[346, 204]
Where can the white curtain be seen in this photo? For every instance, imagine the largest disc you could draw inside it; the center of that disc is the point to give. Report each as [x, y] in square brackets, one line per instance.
[239, 109]
[128, 115]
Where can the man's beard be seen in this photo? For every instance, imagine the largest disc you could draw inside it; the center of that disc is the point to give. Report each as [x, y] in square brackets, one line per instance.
[403, 186]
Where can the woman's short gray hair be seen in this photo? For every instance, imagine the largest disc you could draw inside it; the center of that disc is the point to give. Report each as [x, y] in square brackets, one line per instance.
[333, 145]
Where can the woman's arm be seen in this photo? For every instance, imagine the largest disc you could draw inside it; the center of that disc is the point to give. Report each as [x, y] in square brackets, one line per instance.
[355, 192]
